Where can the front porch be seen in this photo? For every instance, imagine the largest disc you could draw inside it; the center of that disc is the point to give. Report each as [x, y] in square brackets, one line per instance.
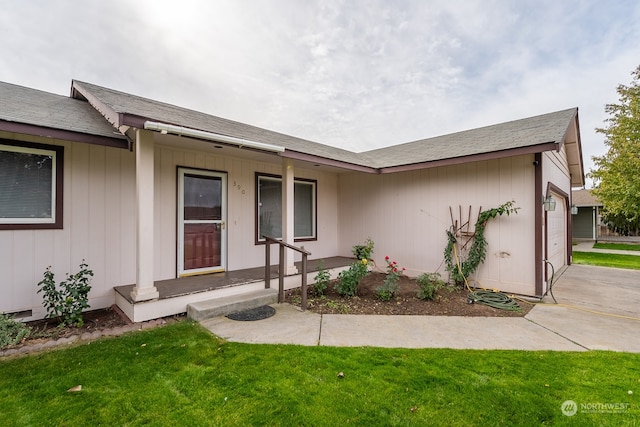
[176, 294]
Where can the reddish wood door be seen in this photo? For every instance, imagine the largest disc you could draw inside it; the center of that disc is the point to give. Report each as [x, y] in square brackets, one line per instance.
[201, 221]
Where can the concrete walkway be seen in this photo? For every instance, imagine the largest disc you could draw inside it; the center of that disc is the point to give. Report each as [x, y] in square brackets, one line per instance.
[599, 308]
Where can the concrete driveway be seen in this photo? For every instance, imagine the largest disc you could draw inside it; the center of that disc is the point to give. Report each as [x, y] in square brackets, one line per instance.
[599, 308]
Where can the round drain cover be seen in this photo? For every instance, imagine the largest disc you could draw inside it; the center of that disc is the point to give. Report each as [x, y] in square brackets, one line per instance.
[258, 313]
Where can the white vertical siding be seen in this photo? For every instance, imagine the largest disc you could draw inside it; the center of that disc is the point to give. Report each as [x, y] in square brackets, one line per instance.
[556, 170]
[98, 227]
[242, 250]
[407, 215]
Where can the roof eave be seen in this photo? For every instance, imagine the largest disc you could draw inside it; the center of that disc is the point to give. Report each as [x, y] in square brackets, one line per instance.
[47, 132]
[582, 180]
[547, 146]
[325, 161]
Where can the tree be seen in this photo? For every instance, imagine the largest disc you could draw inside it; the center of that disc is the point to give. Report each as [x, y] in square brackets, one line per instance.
[617, 173]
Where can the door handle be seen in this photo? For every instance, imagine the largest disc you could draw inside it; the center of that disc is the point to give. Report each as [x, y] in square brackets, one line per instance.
[223, 225]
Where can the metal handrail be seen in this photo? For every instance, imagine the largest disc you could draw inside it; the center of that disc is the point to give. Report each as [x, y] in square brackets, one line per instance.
[267, 268]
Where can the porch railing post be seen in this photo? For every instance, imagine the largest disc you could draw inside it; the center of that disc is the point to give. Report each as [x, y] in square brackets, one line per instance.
[304, 281]
[267, 268]
[267, 265]
[281, 276]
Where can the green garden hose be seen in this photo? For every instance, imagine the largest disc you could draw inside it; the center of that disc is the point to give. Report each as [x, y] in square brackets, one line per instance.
[493, 299]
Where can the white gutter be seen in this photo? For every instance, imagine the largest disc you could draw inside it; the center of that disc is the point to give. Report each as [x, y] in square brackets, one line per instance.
[165, 128]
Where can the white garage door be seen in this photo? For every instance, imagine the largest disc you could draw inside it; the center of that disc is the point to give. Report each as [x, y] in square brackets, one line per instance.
[557, 235]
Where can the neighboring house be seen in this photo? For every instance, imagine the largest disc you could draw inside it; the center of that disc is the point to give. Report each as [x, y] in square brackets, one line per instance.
[587, 220]
[146, 192]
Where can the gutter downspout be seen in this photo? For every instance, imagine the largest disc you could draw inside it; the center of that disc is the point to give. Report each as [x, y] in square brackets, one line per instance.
[165, 128]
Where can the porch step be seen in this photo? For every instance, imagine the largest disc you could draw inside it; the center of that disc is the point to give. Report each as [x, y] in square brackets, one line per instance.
[231, 304]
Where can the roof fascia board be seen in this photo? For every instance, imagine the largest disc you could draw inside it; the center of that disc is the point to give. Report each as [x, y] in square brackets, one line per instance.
[295, 155]
[547, 146]
[579, 147]
[27, 129]
[574, 144]
[133, 120]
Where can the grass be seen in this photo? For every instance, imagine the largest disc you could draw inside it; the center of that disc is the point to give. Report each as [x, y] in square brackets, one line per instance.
[617, 246]
[182, 375]
[607, 260]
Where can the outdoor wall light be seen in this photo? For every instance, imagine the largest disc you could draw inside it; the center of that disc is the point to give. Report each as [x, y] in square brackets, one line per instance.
[574, 210]
[549, 203]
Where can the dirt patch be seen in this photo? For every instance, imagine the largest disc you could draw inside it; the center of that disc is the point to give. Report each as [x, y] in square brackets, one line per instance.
[94, 320]
[47, 334]
[447, 302]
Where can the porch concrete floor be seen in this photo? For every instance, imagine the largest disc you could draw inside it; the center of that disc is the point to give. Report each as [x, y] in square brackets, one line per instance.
[207, 282]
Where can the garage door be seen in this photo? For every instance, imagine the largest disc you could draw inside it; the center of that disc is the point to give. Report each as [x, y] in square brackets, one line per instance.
[557, 235]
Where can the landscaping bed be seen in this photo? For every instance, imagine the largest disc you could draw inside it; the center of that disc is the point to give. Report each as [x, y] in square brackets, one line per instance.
[448, 302]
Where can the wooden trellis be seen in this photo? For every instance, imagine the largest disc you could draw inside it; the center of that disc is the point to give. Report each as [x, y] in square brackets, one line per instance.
[462, 228]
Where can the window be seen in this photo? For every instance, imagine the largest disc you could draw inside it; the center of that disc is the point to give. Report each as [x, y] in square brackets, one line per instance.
[269, 208]
[30, 185]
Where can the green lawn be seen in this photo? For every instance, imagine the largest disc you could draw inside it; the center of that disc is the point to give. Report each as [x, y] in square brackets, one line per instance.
[617, 246]
[607, 260]
[181, 375]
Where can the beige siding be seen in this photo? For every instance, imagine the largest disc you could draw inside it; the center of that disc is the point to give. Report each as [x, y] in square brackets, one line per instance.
[407, 215]
[98, 227]
[556, 170]
[242, 250]
[99, 221]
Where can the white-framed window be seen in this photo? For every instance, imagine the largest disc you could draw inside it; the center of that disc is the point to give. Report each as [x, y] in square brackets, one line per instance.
[269, 207]
[30, 185]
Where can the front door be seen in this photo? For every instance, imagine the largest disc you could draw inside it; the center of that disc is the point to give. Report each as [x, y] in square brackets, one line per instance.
[201, 221]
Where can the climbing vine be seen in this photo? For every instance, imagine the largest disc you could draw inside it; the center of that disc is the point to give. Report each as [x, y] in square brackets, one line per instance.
[478, 251]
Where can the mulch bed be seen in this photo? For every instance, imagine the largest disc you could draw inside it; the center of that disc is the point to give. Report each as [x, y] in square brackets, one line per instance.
[447, 303]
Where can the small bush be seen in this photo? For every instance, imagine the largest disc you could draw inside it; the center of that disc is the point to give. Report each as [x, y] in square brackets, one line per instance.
[390, 287]
[68, 302]
[430, 284]
[348, 280]
[321, 280]
[12, 332]
[363, 251]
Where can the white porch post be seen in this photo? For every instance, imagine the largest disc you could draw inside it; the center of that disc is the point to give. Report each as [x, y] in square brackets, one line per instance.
[287, 214]
[144, 288]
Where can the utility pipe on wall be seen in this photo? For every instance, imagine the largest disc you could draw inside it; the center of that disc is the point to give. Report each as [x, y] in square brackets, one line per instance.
[210, 136]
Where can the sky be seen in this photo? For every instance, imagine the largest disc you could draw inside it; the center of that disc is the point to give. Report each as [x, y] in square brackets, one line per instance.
[354, 74]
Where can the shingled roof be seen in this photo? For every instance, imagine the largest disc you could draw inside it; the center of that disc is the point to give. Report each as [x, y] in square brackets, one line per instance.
[536, 134]
[533, 132]
[35, 112]
[130, 110]
[584, 197]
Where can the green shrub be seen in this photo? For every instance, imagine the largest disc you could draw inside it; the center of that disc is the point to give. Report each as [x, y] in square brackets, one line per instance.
[363, 251]
[12, 332]
[430, 284]
[348, 280]
[68, 302]
[321, 280]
